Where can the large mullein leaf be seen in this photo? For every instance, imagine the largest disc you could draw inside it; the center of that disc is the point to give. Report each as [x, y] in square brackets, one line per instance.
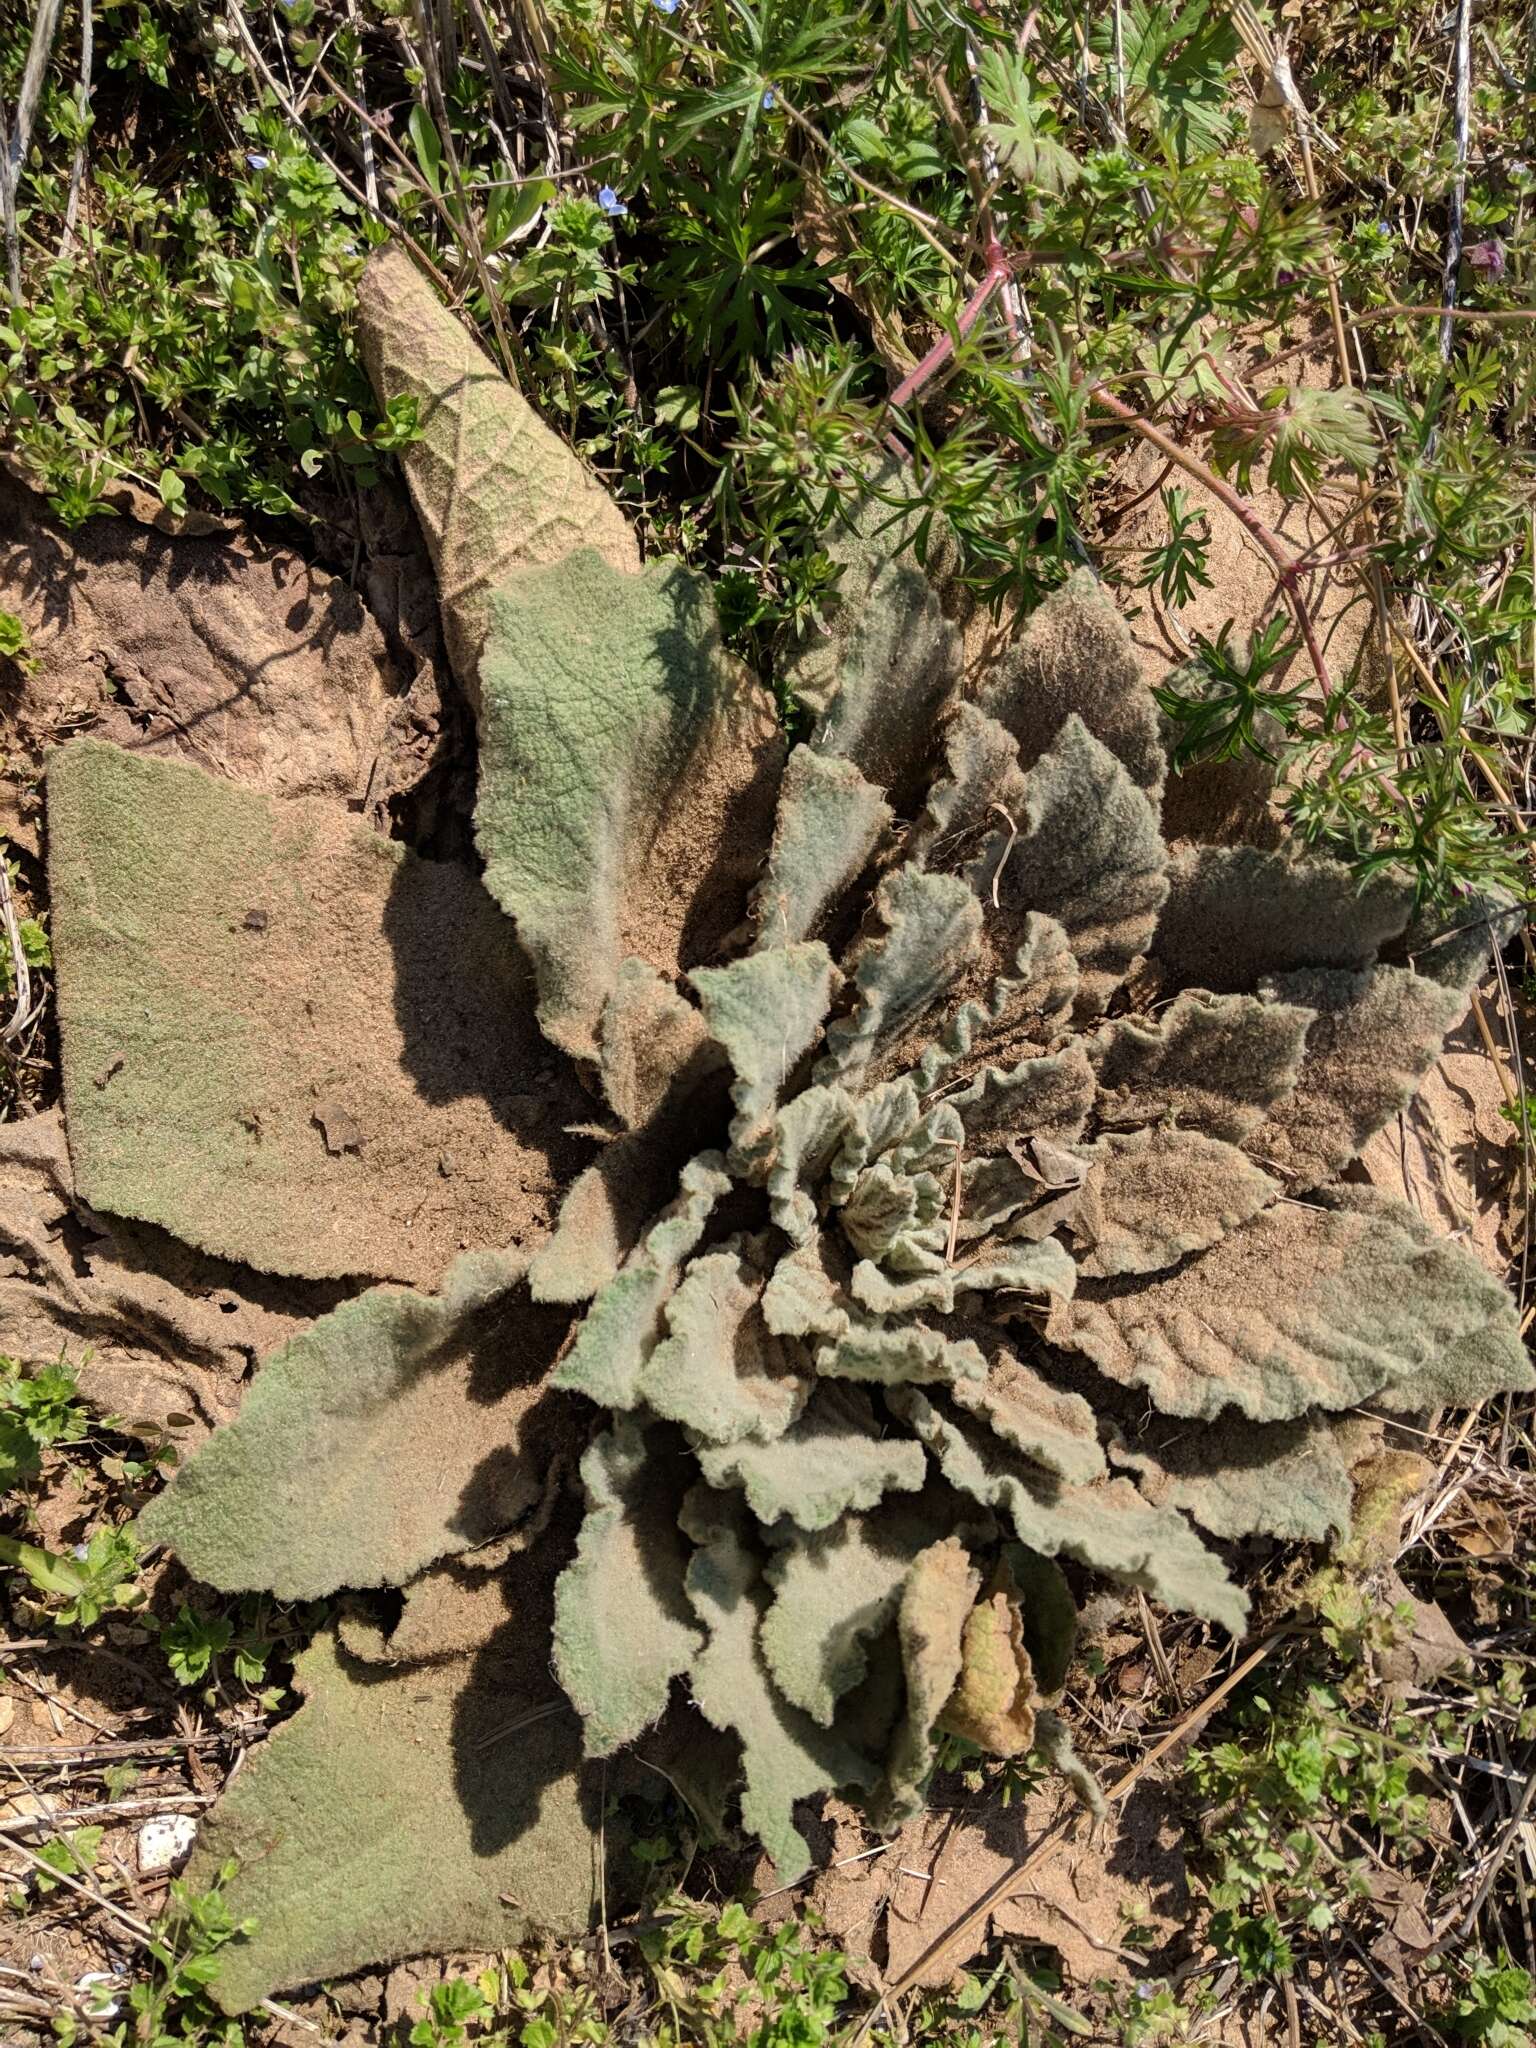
[1026, 1007]
[413, 1809]
[980, 780]
[785, 1755]
[285, 1039]
[1236, 914]
[624, 1324]
[1375, 1037]
[930, 932]
[878, 670]
[1076, 656]
[655, 1049]
[829, 823]
[628, 771]
[1053, 1428]
[1088, 853]
[1290, 1480]
[316, 1484]
[494, 488]
[765, 1010]
[936, 1602]
[1216, 1064]
[833, 1461]
[1106, 1525]
[835, 1590]
[1304, 1308]
[1149, 1198]
[623, 1626]
[720, 1369]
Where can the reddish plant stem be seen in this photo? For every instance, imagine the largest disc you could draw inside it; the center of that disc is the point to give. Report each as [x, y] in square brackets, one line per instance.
[1287, 569]
[999, 270]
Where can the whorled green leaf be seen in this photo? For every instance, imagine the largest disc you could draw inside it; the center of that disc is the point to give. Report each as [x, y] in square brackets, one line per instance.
[1088, 853]
[494, 488]
[720, 1369]
[1376, 1036]
[834, 1460]
[1149, 1198]
[1304, 1308]
[1036, 1270]
[655, 1046]
[829, 822]
[261, 1049]
[936, 1603]
[1026, 1007]
[624, 1324]
[623, 1626]
[880, 1121]
[808, 1134]
[317, 1483]
[405, 1811]
[1236, 915]
[1290, 1480]
[765, 1009]
[1076, 656]
[627, 777]
[980, 779]
[833, 1593]
[785, 1755]
[878, 670]
[1216, 1064]
[1106, 1525]
[891, 1215]
[930, 932]
[806, 1294]
[1055, 1429]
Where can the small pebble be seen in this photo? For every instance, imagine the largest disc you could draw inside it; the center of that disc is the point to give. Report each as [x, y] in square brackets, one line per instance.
[164, 1841]
[101, 2007]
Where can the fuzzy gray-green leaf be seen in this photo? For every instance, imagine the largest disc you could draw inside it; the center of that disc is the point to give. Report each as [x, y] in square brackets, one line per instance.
[623, 1627]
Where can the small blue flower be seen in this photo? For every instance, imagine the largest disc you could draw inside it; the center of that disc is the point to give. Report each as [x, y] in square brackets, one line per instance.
[610, 202]
[258, 163]
[667, 6]
[768, 97]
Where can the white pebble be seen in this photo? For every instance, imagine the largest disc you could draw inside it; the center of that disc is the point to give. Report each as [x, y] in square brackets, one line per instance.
[100, 2007]
[164, 1841]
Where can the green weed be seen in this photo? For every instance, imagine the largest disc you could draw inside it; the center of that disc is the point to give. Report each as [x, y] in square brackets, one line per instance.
[763, 220]
[170, 2006]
